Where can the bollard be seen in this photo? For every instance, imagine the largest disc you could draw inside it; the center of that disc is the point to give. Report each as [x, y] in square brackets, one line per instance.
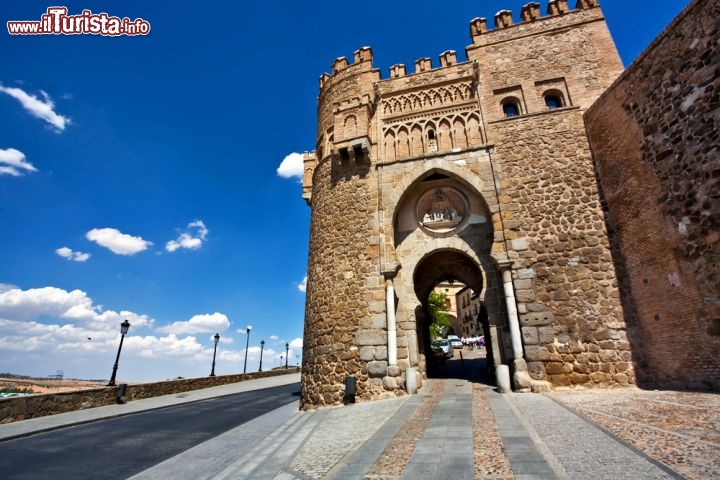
[502, 377]
[350, 388]
[411, 381]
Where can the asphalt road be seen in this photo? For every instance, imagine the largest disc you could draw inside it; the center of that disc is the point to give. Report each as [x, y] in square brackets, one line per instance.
[123, 446]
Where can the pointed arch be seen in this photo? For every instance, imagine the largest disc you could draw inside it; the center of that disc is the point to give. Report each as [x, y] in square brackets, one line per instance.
[390, 148]
[444, 138]
[459, 133]
[403, 143]
[350, 126]
[436, 99]
[416, 102]
[416, 136]
[474, 134]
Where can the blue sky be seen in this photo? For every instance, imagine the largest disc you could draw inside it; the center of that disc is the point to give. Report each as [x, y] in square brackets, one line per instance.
[153, 177]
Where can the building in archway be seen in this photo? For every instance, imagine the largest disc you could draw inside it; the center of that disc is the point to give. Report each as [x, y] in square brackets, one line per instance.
[479, 171]
[470, 311]
[450, 288]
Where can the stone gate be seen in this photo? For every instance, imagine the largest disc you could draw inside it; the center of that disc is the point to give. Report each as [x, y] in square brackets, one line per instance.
[477, 171]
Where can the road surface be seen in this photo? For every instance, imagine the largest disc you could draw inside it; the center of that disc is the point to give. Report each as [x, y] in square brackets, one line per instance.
[123, 446]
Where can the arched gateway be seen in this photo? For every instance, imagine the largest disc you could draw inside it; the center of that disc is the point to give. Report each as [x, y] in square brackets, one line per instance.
[422, 178]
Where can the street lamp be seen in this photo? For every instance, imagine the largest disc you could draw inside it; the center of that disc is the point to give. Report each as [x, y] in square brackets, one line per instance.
[124, 327]
[262, 346]
[280, 360]
[247, 344]
[287, 346]
[216, 339]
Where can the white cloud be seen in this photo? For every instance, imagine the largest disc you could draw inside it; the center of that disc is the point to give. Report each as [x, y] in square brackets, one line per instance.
[171, 345]
[302, 286]
[296, 343]
[118, 242]
[73, 307]
[4, 287]
[46, 329]
[43, 109]
[191, 240]
[291, 166]
[13, 162]
[274, 338]
[68, 254]
[214, 322]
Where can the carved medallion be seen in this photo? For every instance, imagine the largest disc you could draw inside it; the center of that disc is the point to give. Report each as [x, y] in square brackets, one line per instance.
[441, 209]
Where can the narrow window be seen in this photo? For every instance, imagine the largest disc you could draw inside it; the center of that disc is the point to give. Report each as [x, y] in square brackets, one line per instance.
[553, 100]
[432, 141]
[511, 109]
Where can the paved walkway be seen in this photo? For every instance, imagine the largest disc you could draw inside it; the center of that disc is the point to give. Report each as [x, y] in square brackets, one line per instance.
[457, 428]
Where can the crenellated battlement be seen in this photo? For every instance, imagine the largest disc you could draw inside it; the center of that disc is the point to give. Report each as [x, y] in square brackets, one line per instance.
[503, 20]
[530, 12]
[360, 56]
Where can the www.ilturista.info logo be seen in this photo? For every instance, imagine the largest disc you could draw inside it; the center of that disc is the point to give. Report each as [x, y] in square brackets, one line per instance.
[57, 22]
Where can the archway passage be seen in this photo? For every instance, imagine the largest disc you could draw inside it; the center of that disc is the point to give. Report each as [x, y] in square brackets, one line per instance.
[451, 266]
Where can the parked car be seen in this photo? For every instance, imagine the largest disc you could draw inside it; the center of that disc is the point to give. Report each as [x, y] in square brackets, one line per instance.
[455, 341]
[442, 348]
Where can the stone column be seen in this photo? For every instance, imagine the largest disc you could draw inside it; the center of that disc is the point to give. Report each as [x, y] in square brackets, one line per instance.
[391, 328]
[521, 378]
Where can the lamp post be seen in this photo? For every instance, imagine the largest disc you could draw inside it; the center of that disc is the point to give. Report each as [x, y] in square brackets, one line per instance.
[262, 346]
[247, 344]
[216, 339]
[281, 360]
[297, 359]
[287, 347]
[124, 327]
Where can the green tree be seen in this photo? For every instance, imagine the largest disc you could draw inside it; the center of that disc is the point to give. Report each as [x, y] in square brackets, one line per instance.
[436, 308]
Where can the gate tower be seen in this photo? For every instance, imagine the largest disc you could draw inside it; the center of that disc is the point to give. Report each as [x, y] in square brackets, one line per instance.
[475, 171]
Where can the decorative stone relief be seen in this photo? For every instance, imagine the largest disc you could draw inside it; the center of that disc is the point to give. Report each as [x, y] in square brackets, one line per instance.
[441, 209]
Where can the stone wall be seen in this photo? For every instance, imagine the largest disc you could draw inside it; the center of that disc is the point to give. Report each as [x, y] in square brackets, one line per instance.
[655, 136]
[14, 409]
[570, 313]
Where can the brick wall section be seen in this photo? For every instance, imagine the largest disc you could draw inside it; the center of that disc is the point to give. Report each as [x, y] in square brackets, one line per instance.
[14, 409]
[655, 137]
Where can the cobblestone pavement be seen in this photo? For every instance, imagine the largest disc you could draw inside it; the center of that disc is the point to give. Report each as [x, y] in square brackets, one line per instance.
[679, 429]
[489, 457]
[661, 434]
[396, 455]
